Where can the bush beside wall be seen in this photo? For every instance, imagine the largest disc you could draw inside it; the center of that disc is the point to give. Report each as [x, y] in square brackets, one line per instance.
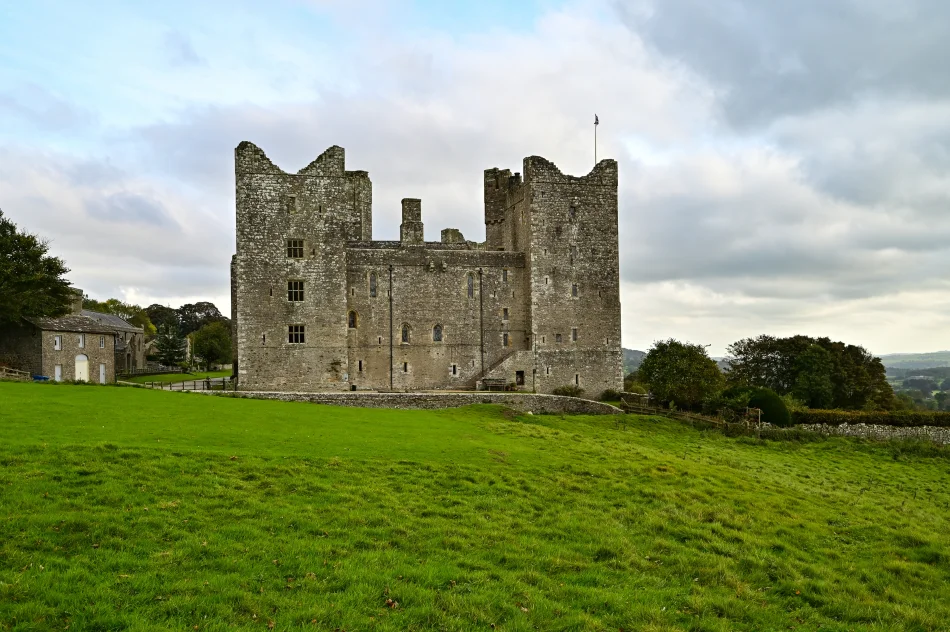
[904, 419]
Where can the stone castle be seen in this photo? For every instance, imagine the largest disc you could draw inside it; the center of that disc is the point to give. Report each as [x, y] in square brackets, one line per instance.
[318, 305]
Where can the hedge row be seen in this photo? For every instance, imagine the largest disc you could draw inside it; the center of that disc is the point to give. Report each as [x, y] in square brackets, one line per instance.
[882, 418]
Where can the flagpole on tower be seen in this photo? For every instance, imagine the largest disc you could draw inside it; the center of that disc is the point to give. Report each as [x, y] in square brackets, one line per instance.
[596, 123]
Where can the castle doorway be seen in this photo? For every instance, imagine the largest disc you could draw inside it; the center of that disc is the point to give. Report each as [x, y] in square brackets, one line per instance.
[519, 378]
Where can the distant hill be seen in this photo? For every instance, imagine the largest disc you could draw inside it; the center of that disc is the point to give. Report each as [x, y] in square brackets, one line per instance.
[916, 360]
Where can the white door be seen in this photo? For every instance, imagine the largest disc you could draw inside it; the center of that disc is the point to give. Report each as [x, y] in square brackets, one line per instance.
[58, 375]
[102, 374]
[82, 368]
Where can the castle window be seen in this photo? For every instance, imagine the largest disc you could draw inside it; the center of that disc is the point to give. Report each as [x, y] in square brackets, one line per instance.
[574, 334]
[372, 285]
[82, 340]
[263, 339]
[547, 280]
[471, 285]
[406, 334]
[504, 313]
[437, 333]
[505, 339]
[577, 379]
[572, 212]
[405, 367]
[295, 334]
[295, 291]
[574, 290]
[454, 369]
[380, 339]
[557, 337]
[504, 276]
[272, 291]
[557, 231]
[102, 342]
[544, 339]
[295, 248]
[361, 366]
[547, 370]
[352, 320]
[291, 203]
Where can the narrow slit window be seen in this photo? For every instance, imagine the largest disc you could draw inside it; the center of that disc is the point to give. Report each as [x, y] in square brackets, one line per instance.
[504, 313]
[405, 367]
[454, 369]
[379, 340]
[295, 334]
[437, 333]
[574, 290]
[295, 291]
[574, 334]
[361, 366]
[82, 340]
[372, 285]
[547, 370]
[505, 340]
[577, 379]
[352, 320]
[471, 285]
[405, 334]
[504, 276]
[295, 248]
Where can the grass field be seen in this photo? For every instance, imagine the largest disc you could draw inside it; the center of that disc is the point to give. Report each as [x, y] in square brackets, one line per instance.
[132, 509]
[165, 378]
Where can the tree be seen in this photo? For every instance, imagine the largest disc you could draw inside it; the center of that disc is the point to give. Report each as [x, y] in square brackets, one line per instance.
[813, 384]
[858, 379]
[31, 281]
[194, 316]
[212, 343]
[941, 398]
[170, 346]
[680, 372]
[162, 316]
[774, 410]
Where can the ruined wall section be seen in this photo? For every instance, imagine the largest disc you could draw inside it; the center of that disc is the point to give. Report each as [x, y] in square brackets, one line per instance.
[573, 268]
[430, 286]
[324, 206]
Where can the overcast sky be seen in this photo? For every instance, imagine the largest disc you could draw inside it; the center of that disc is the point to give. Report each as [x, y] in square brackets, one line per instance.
[783, 165]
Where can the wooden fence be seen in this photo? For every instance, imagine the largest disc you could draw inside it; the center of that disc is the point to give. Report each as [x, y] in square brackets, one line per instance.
[7, 373]
[229, 384]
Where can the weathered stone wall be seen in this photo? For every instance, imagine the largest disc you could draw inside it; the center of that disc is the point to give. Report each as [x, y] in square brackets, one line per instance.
[66, 357]
[882, 433]
[549, 266]
[573, 258]
[537, 404]
[21, 345]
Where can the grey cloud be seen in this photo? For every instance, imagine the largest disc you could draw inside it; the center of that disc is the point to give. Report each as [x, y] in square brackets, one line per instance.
[42, 109]
[772, 59]
[129, 207]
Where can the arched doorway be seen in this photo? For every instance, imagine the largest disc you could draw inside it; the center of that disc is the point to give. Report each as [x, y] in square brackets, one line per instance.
[82, 368]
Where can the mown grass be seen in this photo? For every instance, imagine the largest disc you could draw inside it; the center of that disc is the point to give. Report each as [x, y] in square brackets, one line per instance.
[132, 509]
[165, 378]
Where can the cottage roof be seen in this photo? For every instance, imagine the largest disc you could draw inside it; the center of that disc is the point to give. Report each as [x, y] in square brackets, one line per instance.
[111, 320]
[72, 322]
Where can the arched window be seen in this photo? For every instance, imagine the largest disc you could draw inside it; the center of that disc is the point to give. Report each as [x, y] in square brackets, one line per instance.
[372, 284]
[352, 320]
[471, 285]
[437, 333]
[405, 334]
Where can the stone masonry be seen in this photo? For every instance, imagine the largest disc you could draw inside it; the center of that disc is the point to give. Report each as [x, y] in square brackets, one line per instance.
[317, 305]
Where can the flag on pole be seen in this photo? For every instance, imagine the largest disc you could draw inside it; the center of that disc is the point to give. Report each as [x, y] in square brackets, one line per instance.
[596, 120]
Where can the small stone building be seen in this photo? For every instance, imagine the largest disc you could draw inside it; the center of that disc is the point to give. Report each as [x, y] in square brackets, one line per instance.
[318, 305]
[78, 346]
[129, 343]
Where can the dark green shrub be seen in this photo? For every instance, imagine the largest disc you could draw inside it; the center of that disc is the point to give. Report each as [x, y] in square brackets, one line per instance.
[773, 409]
[610, 395]
[902, 418]
[570, 390]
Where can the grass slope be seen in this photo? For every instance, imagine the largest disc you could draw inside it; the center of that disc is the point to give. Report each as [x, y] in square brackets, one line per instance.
[133, 509]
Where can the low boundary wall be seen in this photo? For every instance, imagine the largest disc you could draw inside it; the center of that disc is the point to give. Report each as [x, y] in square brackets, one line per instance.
[522, 402]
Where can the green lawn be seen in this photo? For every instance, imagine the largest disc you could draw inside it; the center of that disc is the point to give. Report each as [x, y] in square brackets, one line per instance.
[165, 378]
[133, 509]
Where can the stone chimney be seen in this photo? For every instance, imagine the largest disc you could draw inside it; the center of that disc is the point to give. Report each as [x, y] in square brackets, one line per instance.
[410, 232]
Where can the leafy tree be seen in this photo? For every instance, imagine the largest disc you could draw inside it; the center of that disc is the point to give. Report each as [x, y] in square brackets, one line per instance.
[31, 281]
[212, 343]
[924, 385]
[162, 316]
[858, 379]
[772, 406]
[941, 399]
[170, 346]
[813, 384]
[680, 372]
[194, 316]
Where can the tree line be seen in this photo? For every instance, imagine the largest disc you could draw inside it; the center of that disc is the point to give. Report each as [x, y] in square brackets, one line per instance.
[766, 372]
